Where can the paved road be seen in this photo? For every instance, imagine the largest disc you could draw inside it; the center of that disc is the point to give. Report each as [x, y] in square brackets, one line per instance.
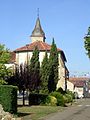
[80, 111]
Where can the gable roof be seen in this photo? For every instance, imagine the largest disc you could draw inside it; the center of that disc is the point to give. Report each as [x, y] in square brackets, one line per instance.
[42, 46]
[79, 78]
[78, 81]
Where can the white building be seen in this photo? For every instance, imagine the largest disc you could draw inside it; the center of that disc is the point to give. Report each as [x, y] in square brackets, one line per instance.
[24, 54]
[80, 86]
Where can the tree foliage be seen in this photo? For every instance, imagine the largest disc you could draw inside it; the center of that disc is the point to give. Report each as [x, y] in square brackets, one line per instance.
[4, 58]
[53, 67]
[4, 54]
[34, 68]
[22, 77]
[87, 42]
[19, 77]
[44, 74]
[5, 73]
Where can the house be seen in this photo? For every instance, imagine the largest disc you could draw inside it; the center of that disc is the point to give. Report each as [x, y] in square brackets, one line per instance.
[24, 54]
[81, 86]
[70, 86]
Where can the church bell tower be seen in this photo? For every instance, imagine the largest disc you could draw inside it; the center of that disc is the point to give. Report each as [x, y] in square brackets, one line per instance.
[38, 34]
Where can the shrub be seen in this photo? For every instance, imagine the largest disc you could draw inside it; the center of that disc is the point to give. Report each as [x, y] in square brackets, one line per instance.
[51, 100]
[71, 93]
[68, 98]
[65, 99]
[59, 97]
[61, 90]
[8, 98]
[36, 99]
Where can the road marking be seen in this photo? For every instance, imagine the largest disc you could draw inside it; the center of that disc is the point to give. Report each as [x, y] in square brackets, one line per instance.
[79, 105]
[83, 105]
[87, 105]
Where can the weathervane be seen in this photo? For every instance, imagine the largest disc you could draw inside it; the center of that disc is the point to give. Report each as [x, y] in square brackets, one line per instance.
[38, 12]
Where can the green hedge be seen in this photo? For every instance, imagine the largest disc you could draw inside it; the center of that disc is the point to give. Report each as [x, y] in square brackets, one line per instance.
[8, 98]
[37, 99]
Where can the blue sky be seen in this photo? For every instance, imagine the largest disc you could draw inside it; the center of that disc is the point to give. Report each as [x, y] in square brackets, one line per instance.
[65, 20]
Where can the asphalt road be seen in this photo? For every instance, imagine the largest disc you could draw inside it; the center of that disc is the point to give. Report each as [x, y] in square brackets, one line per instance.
[80, 111]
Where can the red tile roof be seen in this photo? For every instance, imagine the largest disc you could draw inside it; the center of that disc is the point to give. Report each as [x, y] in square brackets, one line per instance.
[78, 78]
[42, 46]
[78, 81]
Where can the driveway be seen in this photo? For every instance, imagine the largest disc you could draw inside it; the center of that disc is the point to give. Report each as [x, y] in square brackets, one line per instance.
[80, 111]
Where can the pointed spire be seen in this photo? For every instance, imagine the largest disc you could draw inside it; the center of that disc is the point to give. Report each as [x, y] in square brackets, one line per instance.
[38, 32]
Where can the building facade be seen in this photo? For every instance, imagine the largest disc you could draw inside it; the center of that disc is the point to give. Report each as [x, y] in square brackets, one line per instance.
[81, 86]
[24, 54]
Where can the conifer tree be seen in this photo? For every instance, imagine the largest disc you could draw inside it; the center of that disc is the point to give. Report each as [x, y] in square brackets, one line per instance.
[44, 74]
[53, 67]
[34, 79]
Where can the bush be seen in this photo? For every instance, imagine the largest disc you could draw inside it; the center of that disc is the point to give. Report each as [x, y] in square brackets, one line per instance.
[8, 98]
[37, 99]
[71, 93]
[68, 98]
[61, 91]
[51, 100]
[59, 97]
[65, 99]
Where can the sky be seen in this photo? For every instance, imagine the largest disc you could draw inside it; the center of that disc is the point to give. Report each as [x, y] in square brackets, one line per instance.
[65, 20]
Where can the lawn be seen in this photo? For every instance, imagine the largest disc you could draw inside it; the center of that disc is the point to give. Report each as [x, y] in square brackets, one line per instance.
[37, 112]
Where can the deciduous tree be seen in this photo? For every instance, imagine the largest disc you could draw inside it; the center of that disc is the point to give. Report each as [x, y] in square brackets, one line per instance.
[4, 58]
[4, 54]
[87, 42]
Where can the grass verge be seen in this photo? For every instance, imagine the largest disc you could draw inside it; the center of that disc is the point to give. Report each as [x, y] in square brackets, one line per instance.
[37, 112]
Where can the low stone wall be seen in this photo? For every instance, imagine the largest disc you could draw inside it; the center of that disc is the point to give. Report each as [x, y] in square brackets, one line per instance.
[6, 115]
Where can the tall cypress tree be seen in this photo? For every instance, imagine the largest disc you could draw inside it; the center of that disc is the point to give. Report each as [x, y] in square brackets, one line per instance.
[44, 74]
[53, 67]
[34, 80]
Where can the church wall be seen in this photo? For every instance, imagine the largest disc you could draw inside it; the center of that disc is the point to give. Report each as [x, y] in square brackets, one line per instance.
[21, 58]
[24, 57]
[61, 73]
[41, 56]
[61, 82]
[34, 39]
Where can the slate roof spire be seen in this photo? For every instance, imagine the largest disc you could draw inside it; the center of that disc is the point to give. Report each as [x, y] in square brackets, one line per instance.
[38, 32]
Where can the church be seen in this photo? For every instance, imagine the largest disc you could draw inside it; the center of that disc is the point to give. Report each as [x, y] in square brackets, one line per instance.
[24, 54]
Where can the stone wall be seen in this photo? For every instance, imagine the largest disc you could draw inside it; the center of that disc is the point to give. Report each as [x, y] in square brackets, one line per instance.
[6, 115]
